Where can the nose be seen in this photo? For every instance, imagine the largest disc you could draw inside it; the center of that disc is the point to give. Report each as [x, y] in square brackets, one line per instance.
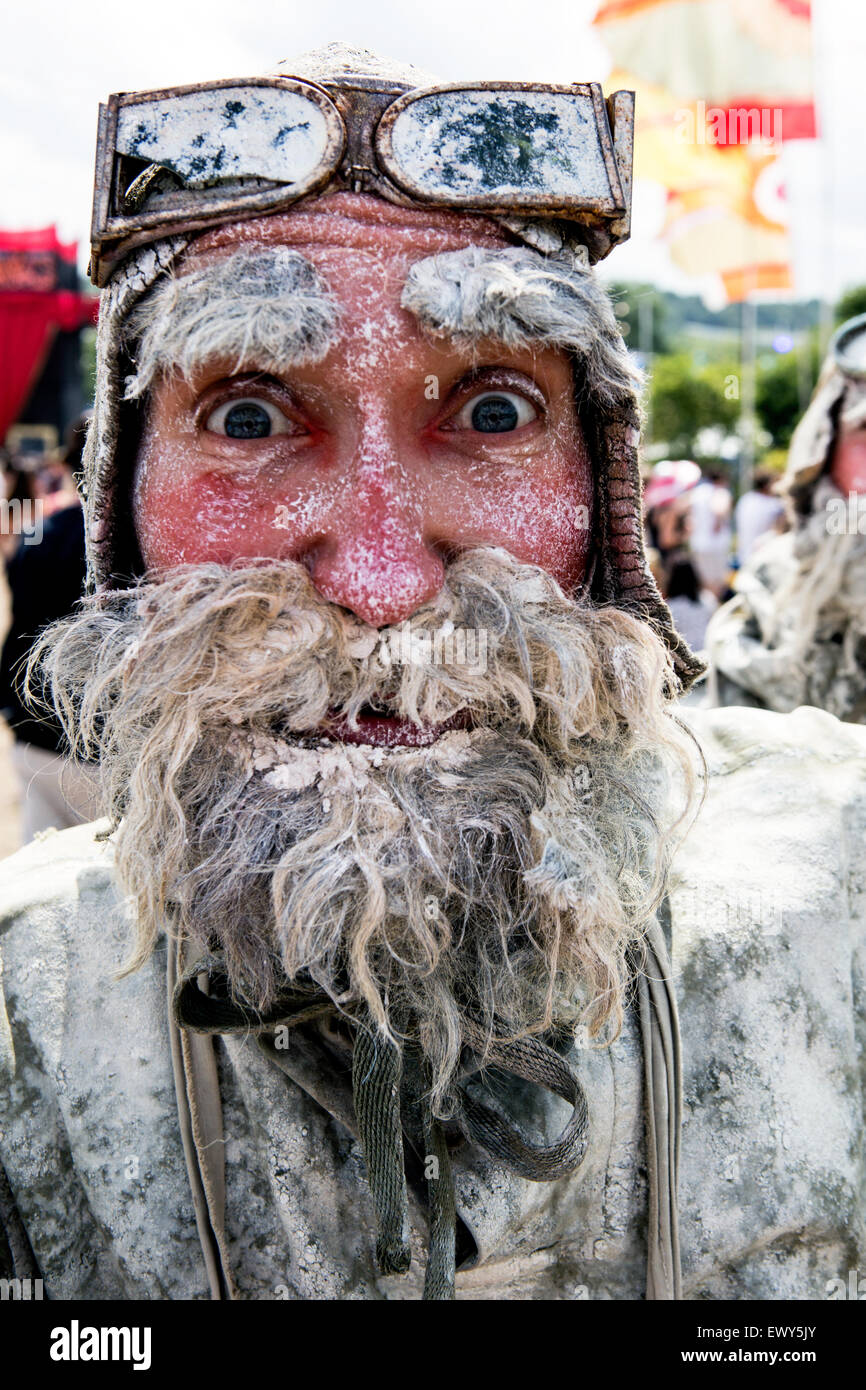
[374, 558]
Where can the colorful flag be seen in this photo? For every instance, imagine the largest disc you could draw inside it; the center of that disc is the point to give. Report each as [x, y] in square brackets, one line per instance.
[720, 85]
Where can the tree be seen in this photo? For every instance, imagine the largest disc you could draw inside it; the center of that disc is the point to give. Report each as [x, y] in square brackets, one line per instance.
[685, 400]
[852, 302]
[780, 389]
[629, 302]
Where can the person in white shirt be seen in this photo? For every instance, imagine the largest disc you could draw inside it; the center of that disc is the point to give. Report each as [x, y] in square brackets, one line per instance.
[757, 515]
[710, 542]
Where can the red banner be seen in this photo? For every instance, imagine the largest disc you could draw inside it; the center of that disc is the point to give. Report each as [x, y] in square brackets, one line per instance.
[32, 311]
[41, 239]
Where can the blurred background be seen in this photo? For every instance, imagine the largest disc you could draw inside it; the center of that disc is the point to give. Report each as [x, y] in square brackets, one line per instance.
[746, 249]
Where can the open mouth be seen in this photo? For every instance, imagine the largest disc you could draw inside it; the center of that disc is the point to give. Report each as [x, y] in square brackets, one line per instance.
[375, 725]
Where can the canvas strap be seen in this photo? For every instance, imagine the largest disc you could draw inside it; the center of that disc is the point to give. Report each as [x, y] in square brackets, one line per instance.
[199, 1108]
[662, 1063]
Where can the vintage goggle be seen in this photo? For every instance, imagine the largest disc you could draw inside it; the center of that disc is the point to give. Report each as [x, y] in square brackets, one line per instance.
[188, 158]
[848, 346]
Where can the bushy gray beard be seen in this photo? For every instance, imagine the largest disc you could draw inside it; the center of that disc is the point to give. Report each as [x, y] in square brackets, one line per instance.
[498, 875]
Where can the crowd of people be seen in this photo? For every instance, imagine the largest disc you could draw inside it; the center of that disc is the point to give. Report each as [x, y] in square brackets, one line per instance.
[44, 572]
[773, 590]
[697, 537]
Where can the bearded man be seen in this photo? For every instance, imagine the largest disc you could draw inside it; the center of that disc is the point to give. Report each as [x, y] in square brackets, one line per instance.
[795, 632]
[383, 696]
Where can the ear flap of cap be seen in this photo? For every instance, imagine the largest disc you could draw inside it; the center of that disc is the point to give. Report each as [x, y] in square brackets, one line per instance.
[105, 493]
[812, 440]
[622, 575]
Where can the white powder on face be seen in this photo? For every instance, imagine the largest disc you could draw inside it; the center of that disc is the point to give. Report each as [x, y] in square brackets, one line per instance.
[377, 333]
[332, 767]
[382, 567]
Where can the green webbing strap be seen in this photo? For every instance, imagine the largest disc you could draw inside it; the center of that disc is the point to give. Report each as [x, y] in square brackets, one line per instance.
[377, 1067]
[532, 1060]
[662, 1059]
[441, 1257]
[216, 1012]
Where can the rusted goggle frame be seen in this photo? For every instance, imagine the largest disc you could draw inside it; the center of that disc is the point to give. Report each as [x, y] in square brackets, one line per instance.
[359, 116]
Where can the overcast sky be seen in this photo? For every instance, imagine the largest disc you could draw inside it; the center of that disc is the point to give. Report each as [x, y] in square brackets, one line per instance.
[59, 59]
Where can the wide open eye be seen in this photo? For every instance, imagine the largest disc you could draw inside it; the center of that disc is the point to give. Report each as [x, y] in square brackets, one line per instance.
[494, 412]
[249, 418]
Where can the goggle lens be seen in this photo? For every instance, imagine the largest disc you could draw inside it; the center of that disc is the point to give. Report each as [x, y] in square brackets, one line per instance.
[209, 137]
[490, 145]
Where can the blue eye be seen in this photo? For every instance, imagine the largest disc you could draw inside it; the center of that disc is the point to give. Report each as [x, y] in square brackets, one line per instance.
[495, 415]
[247, 419]
[495, 412]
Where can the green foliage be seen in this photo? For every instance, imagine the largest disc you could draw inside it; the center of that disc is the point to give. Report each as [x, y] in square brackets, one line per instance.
[695, 352]
[782, 391]
[775, 460]
[678, 311]
[685, 400]
[853, 302]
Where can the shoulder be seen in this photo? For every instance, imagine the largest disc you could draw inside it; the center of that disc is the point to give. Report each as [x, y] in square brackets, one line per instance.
[784, 771]
[89, 1133]
[784, 815]
[53, 868]
[63, 932]
[732, 737]
[783, 822]
[767, 911]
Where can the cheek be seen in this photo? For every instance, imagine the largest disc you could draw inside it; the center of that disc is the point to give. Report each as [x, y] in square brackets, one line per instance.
[162, 503]
[186, 512]
[541, 511]
[848, 469]
[545, 521]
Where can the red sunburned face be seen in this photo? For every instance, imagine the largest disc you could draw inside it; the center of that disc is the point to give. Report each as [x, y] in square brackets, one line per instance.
[848, 469]
[374, 470]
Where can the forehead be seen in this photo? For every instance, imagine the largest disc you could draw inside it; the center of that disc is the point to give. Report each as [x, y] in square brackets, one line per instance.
[363, 248]
[353, 221]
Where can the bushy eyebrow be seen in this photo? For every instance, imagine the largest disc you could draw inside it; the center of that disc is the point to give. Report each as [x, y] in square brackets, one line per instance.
[262, 307]
[513, 295]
